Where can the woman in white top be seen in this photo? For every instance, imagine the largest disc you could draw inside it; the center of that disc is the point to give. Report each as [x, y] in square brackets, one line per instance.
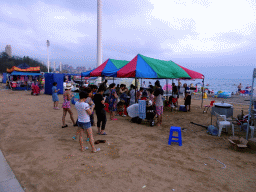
[84, 112]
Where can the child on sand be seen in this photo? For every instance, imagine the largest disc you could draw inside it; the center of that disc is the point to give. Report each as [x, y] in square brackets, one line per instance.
[66, 106]
[84, 124]
[55, 97]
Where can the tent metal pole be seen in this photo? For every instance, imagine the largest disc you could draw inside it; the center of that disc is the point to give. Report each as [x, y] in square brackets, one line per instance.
[135, 89]
[167, 91]
[250, 107]
[202, 94]
[113, 79]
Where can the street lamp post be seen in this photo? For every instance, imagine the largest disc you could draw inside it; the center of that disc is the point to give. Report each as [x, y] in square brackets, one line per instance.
[99, 35]
[48, 62]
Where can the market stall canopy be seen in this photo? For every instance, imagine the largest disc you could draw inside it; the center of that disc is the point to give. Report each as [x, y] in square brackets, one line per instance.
[24, 67]
[146, 67]
[192, 74]
[25, 73]
[106, 69]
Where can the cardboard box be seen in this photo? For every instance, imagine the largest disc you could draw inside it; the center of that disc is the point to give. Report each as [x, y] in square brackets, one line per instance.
[238, 143]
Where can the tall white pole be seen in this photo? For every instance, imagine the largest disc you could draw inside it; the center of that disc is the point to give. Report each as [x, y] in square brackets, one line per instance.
[48, 62]
[54, 66]
[60, 67]
[99, 34]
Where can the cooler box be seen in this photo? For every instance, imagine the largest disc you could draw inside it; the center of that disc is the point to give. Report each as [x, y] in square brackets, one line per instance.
[142, 109]
[182, 108]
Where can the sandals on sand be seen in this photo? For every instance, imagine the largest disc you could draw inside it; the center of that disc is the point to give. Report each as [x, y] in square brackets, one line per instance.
[113, 119]
[96, 150]
[99, 133]
[65, 126]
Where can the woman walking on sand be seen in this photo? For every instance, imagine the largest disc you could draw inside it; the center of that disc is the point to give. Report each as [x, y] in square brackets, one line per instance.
[66, 106]
[112, 101]
[158, 101]
[55, 97]
[84, 124]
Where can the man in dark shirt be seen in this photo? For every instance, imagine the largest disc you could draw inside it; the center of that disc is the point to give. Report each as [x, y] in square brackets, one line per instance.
[99, 101]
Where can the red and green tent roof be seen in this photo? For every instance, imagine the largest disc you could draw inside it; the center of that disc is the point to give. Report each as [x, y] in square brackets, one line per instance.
[107, 69]
[146, 67]
[192, 74]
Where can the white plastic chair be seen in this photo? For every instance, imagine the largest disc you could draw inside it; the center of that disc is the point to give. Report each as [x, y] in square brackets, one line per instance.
[223, 123]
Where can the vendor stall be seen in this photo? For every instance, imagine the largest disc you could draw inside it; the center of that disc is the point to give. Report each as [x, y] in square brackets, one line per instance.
[24, 80]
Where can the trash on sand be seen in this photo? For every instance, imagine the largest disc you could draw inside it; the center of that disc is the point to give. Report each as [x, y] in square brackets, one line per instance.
[86, 147]
[205, 164]
[173, 189]
[144, 186]
[108, 143]
[219, 162]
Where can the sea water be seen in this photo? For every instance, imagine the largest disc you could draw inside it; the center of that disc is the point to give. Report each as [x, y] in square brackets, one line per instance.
[225, 85]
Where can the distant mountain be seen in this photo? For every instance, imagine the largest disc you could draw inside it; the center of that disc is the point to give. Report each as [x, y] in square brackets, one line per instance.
[9, 62]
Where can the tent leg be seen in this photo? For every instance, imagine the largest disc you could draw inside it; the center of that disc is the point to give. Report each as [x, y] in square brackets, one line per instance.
[113, 79]
[167, 91]
[202, 95]
[136, 90]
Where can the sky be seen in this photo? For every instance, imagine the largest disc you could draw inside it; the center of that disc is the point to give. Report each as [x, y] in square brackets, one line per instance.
[214, 37]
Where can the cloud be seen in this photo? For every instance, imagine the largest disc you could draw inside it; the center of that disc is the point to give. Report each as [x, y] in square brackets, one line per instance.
[211, 23]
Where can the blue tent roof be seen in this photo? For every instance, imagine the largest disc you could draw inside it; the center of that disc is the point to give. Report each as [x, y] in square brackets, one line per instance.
[23, 66]
[24, 73]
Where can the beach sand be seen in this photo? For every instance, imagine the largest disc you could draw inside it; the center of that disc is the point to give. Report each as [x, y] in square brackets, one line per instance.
[44, 157]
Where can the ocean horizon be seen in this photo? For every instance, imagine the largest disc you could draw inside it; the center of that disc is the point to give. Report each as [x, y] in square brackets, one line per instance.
[214, 84]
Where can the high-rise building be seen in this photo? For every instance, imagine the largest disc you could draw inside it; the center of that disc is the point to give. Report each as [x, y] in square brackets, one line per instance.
[8, 50]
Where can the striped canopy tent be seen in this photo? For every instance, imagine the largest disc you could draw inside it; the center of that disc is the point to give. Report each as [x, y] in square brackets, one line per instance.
[192, 74]
[146, 67]
[24, 68]
[106, 69]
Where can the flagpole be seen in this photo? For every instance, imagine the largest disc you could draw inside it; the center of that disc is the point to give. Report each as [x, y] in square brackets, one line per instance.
[48, 62]
[99, 35]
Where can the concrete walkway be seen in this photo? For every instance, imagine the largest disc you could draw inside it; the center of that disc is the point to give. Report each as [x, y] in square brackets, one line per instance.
[8, 181]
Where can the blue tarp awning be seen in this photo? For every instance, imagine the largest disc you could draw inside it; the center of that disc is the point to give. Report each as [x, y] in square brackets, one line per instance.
[24, 73]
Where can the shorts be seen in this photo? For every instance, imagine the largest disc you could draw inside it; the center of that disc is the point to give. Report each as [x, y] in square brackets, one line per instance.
[83, 125]
[159, 110]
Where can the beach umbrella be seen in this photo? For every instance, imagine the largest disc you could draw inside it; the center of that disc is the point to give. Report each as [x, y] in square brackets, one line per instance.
[106, 69]
[146, 67]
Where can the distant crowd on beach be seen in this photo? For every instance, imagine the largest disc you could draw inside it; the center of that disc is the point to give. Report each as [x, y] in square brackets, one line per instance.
[93, 100]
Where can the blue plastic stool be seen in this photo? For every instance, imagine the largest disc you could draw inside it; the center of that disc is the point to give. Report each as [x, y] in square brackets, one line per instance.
[173, 138]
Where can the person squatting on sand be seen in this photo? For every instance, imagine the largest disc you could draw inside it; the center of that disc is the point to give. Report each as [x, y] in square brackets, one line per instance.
[55, 97]
[84, 124]
[66, 106]
[112, 101]
[158, 102]
[99, 101]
